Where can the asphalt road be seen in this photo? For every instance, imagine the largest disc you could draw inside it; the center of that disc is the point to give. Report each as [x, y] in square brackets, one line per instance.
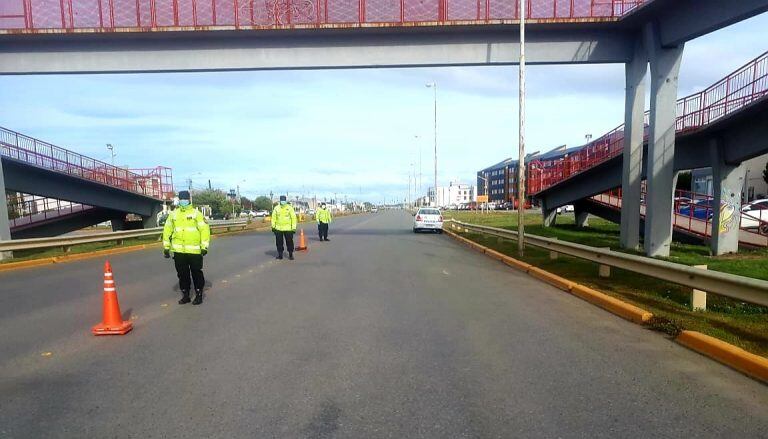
[378, 333]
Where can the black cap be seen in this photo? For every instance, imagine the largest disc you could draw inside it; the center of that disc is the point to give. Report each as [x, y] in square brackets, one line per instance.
[283, 198]
[184, 195]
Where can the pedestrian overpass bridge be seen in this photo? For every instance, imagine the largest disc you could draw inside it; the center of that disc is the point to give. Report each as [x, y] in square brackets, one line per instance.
[55, 190]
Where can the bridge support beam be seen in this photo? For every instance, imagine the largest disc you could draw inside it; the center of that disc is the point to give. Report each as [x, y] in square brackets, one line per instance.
[728, 182]
[5, 224]
[582, 218]
[549, 215]
[665, 65]
[634, 130]
[150, 221]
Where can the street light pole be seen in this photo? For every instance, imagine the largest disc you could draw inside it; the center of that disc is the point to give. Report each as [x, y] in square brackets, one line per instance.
[111, 152]
[433, 85]
[521, 152]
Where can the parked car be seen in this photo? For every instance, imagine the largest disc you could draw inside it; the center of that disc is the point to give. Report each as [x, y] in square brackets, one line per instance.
[260, 213]
[754, 215]
[428, 218]
[565, 209]
[699, 209]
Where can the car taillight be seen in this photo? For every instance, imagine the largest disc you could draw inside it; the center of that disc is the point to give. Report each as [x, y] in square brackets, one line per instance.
[418, 217]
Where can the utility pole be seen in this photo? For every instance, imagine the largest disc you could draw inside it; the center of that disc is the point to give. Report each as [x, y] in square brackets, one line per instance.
[111, 152]
[521, 152]
[433, 85]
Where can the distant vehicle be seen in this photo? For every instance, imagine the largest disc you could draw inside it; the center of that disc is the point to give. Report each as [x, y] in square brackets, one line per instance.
[428, 218]
[374, 209]
[754, 215]
[311, 212]
[566, 209]
[260, 213]
[699, 209]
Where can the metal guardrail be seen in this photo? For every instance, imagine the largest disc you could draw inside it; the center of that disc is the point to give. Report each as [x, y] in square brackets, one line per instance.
[68, 241]
[729, 285]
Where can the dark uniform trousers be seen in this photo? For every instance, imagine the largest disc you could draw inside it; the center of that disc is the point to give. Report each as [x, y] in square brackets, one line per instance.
[322, 229]
[187, 264]
[288, 237]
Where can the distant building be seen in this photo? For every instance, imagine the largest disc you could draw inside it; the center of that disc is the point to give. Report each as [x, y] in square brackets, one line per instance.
[454, 194]
[502, 177]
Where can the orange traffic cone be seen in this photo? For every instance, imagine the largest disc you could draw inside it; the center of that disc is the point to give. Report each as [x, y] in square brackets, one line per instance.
[112, 323]
[302, 242]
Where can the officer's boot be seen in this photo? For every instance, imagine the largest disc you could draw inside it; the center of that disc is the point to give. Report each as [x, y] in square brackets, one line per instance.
[290, 255]
[184, 297]
[198, 297]
[280, 255]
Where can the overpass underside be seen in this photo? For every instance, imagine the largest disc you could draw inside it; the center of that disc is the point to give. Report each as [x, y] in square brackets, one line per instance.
[722, 146]
[85, 202]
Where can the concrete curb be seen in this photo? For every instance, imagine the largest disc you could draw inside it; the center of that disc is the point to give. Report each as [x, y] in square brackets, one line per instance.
[745, 362]
[612, 304]
[732, 356]
[620, 308]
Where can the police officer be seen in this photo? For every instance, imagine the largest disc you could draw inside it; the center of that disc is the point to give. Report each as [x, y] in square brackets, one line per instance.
[284, 226]
[323, 217]
[187, 233]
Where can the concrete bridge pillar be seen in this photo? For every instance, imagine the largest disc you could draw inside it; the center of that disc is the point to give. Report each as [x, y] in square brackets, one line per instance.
[5, 224]
[150, 221]
[727, 185]
[582, 218]
[665, 65]
[549, 215]
[634, 130]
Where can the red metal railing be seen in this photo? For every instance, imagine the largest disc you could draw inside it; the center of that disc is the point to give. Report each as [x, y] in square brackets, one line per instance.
[143, 15]
[24, 209]
[156, 183]
[731, 94]
[694, 212]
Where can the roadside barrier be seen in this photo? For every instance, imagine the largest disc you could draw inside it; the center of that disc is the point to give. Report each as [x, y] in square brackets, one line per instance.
[112, 321]
[742, 288]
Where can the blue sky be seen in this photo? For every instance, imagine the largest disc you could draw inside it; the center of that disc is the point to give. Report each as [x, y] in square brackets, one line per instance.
[348, 132]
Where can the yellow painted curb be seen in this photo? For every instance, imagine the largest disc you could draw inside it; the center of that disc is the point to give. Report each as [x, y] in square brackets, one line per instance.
[26, 264]
[93, 254]
[612, 304]
[608, 303]
[726, 353]
[552, 279]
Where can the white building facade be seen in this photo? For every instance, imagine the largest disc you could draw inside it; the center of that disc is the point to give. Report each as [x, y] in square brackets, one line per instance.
[454, 194]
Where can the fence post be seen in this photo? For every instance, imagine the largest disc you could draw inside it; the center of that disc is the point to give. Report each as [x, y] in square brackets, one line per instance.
[553, 254]
[698, 297]
[604, 270]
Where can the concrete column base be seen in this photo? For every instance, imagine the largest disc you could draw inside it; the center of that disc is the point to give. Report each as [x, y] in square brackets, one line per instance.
[550, 216]
[728, 182]
[582, 219]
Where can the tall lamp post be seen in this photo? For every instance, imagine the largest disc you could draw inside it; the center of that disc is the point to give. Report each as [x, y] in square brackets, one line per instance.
[521, 152]
[433, 86]
[111, 152]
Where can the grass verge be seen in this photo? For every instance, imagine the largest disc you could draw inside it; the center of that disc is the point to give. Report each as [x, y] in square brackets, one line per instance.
[742, 324]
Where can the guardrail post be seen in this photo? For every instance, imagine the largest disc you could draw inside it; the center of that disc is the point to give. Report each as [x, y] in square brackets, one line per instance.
[553, 254]
[698, 297]
[66, 248]
[604, 270]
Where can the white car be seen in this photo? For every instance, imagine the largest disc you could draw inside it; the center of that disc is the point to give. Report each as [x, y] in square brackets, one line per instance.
[428, 218]
[755, 216]
[565, 209]
[261, 214]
